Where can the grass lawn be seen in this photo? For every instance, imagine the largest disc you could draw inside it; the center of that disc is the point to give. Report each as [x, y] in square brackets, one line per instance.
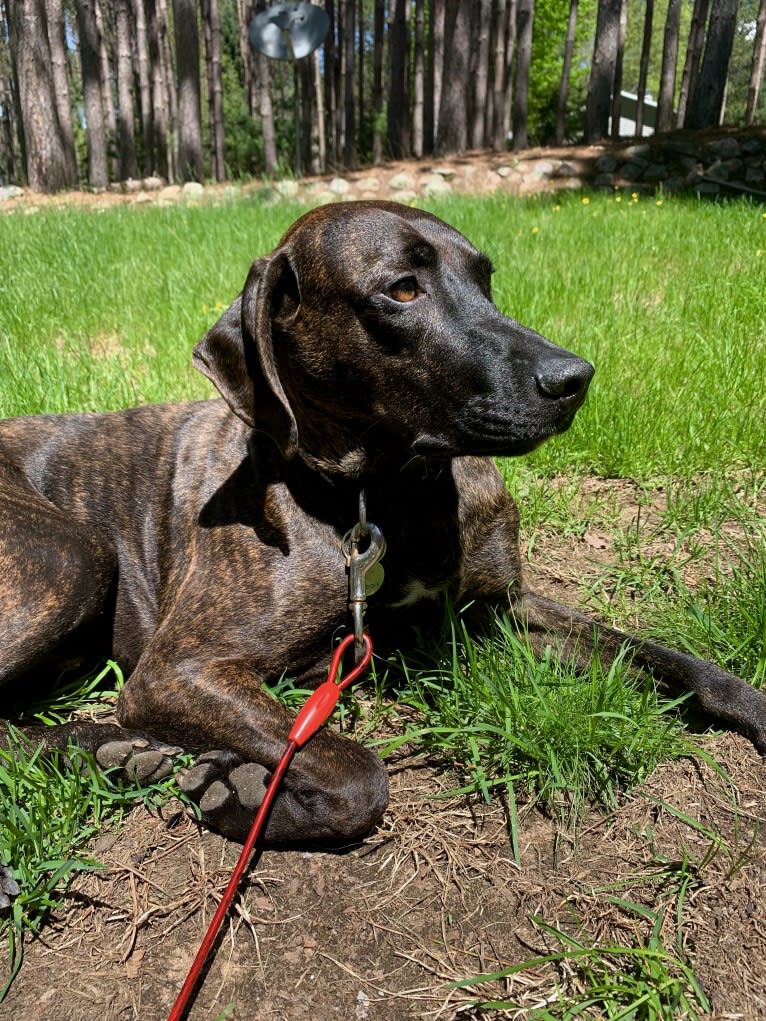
[660, 485]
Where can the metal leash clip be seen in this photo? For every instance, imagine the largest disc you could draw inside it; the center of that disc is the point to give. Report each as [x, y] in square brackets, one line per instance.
[365, 574]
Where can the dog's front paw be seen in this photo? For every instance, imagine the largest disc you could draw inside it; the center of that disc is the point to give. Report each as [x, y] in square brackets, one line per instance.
[142, 760]
[9, 888]
[227, 790]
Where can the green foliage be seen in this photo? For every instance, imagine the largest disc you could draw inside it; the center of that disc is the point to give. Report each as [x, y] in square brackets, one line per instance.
[535, 726]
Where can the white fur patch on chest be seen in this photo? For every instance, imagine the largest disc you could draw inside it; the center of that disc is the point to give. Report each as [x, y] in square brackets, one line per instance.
[414, 591]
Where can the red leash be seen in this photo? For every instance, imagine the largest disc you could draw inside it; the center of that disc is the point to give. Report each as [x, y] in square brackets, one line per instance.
[315, 712]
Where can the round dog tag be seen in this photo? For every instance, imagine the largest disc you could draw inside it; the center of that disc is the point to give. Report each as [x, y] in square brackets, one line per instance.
[373, 579]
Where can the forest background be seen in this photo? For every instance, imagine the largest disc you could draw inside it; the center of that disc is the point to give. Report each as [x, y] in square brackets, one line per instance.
[100, 91]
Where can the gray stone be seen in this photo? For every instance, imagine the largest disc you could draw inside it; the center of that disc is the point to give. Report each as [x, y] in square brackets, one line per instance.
[707, 188]
[402, 182]
[602, 181]
[368, 184]
[153, 183]
[132, 186]
[142, 199]
[287, 189]
[448, 173]
[171, 193]
[436, 185]
[656, 172]
[339, 186]
[752, 146]
[193, 189]
[634, 170]
[10, 191]
[504, 171]
[606, 164]
[755, 175]
[723, 148]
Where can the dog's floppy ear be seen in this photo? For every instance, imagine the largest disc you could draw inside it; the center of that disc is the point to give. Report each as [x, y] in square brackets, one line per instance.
[237, 353]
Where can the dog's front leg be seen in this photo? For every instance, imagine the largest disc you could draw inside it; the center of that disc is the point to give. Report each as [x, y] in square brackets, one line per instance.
[335, 789]
[721, 694]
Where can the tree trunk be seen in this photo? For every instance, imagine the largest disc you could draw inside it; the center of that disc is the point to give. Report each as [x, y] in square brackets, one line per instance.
[379, 28]
[107, 97]
[159, 94]
[349, 107]
[643, 67]
[707, 101]
[125, 121]
[617, 85]
[453, 114]
[168, 82]
[144, 86]
[212, 17]
[398, 45]
[188, 84]
[602, 70]
[47, 167]
[499, 75]
[668, 72]
[321, 139]
[484, 15]
[244, 17]
[419, 81]
[693, 58]
[756, 69]
[98, 175]
[433, 86]
[60, 69]
[524, 18]
[566, 70]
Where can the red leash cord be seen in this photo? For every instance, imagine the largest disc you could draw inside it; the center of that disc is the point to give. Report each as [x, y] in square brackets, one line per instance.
[314, 713]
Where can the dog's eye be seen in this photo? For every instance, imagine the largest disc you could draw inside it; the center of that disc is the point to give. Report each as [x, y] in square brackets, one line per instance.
[404, 290]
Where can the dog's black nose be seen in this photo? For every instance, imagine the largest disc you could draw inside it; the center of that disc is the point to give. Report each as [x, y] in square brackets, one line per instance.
[564, 378]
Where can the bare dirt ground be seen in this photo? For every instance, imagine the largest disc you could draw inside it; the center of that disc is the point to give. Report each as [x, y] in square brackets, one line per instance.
[381, 931]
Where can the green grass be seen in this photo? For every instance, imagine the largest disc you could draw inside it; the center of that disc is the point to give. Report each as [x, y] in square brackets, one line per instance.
[100, 310]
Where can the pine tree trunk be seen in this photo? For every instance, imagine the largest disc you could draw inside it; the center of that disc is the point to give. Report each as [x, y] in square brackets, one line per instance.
[524, 19]
[453, 114]
[158, 91]
[561, 108]
[168, 80]
[707, 101]
[433, 88]
[318, 96]
[617, 85]
[244, 17]
[188, 84]
[98, 174]
[756, 69]
[484, 15]
[267, 115]
[60, 69]
[217, 136]
[349, 105]
[499, 73]
[602, 70]
[419, 81]
[47, 167]
[398, 100]
[510, 50]
[107, 96]
[693, 58]
[125, 120]
[144, 86]
[379, 28]
[643, 66]
[669, 63]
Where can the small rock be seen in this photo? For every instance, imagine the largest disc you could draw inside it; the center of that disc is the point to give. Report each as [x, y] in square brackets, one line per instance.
[504, 171]
[287, 189]
[436, 185]
[132, 186]
[606, 164]
[170, 193]
[367, 184]
[339, 186]
[10, 191]
[656, 172]
[193, 189]
[153, 183]
[402, 182]
[141, 199]
[448, 173]
[724, 149]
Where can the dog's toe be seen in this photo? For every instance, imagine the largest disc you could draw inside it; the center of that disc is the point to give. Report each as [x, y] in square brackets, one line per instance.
[9, 888]
[227, 790]
[141, 760]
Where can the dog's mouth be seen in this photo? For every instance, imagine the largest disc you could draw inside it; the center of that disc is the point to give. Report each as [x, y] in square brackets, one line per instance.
[493, 438]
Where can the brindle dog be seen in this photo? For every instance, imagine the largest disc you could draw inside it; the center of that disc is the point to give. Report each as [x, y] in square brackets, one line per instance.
[200, 545]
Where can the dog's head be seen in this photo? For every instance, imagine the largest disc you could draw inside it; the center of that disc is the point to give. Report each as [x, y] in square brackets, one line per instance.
[370, 333]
